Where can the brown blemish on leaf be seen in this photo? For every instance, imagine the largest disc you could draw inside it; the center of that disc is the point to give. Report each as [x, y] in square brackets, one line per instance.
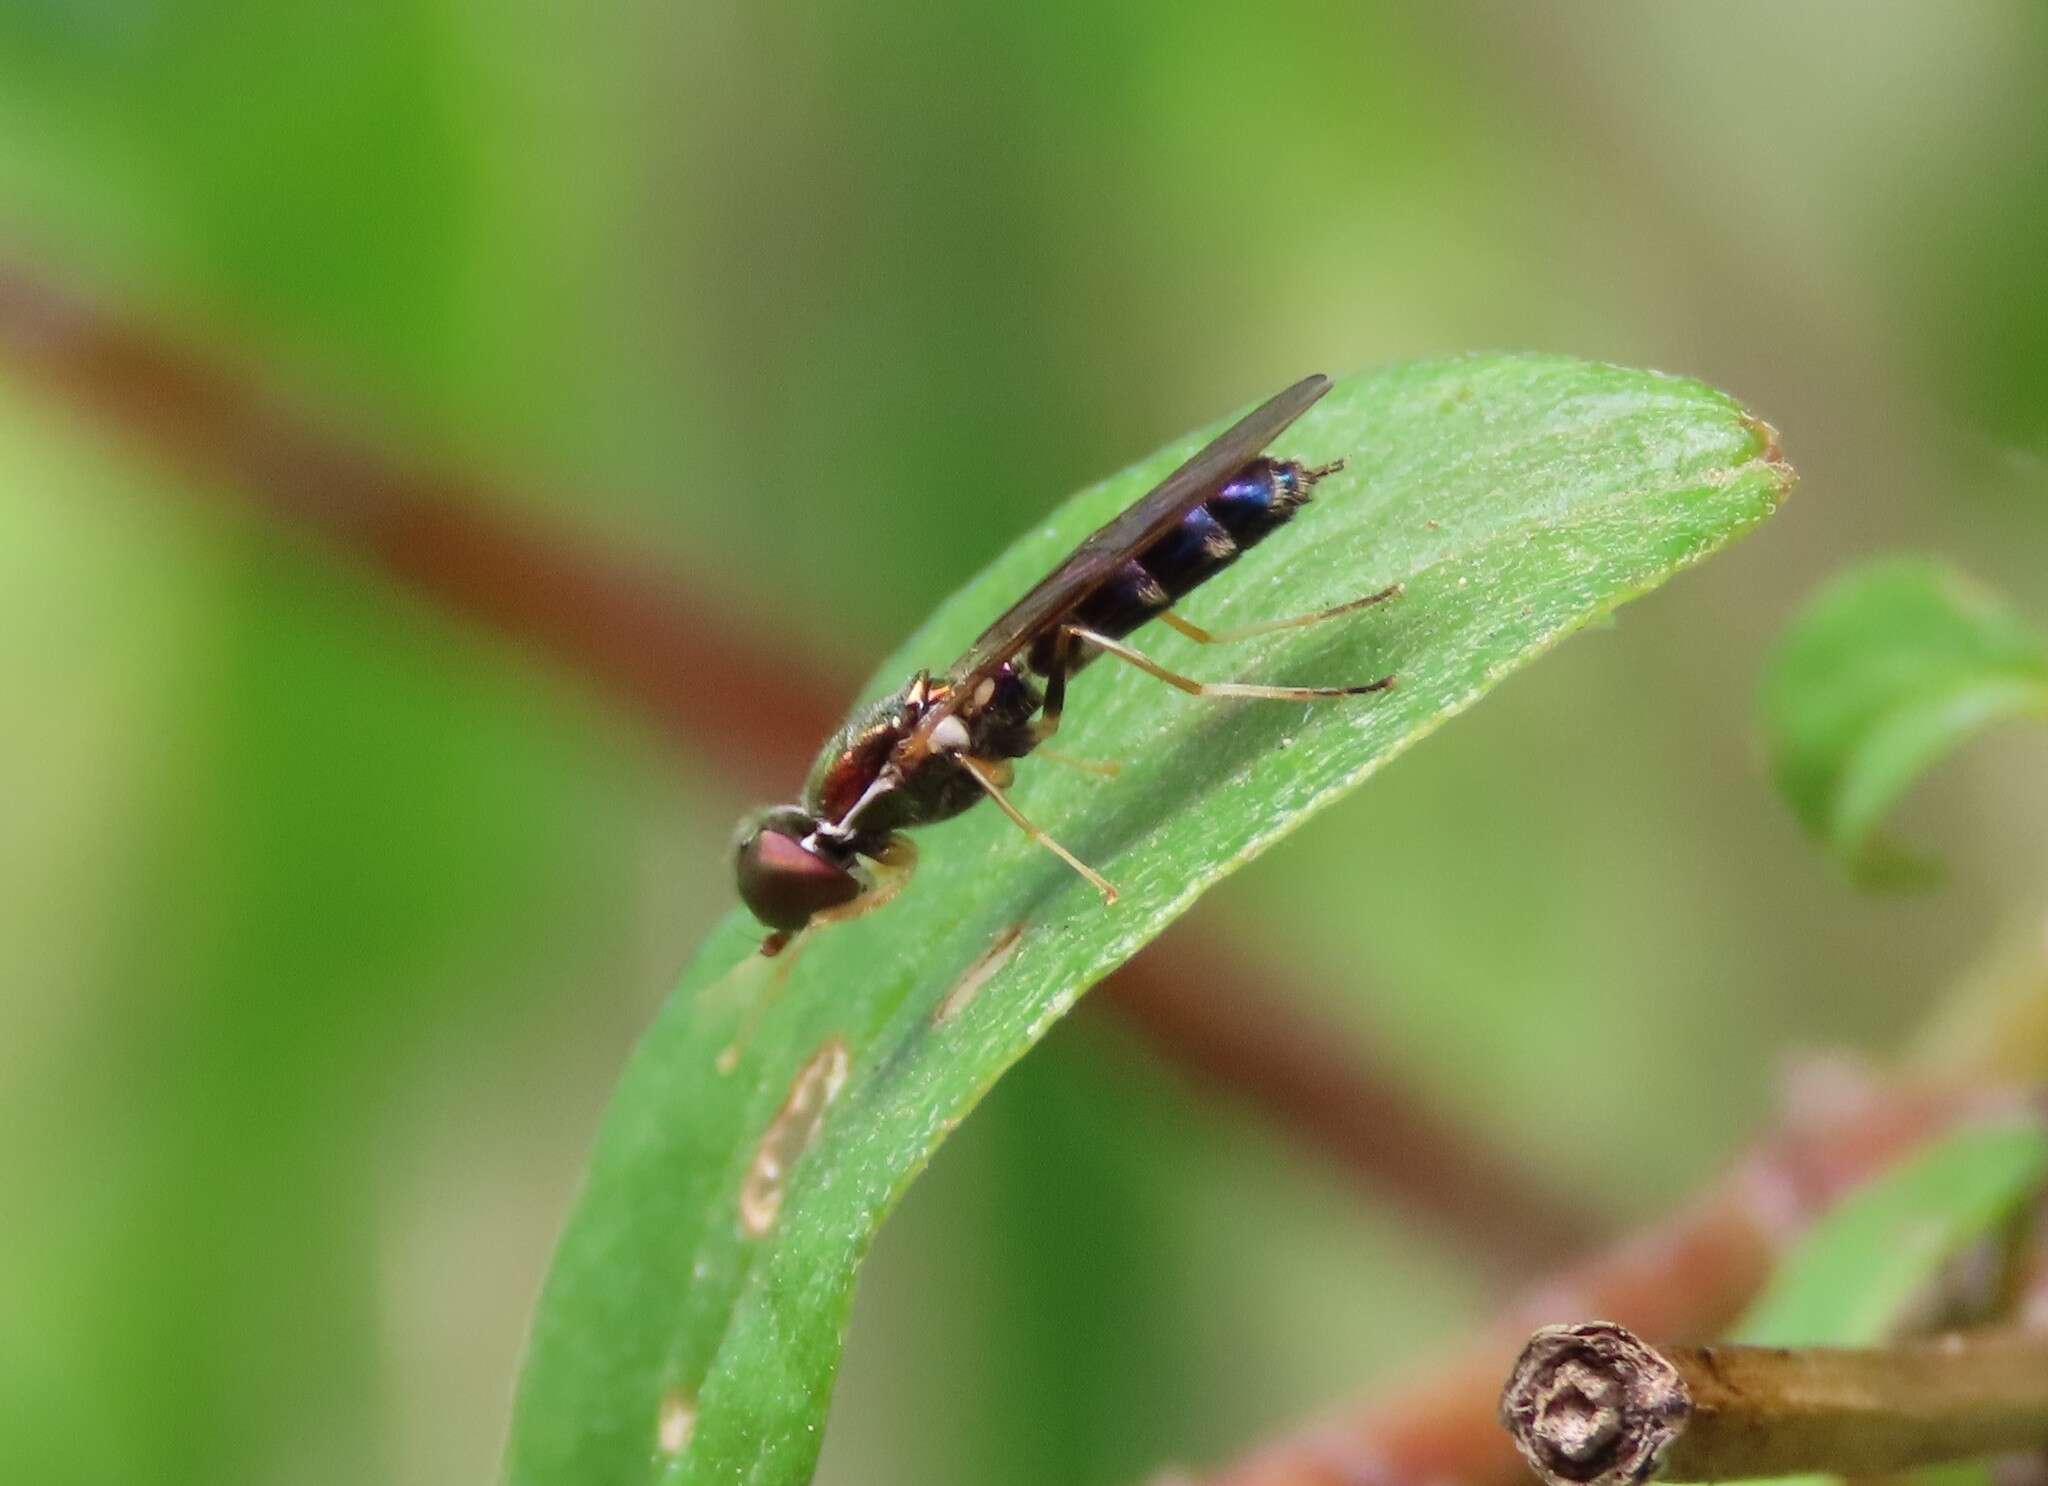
[676, 1422]
[1766, 436]
[790, 1134]
[969, 985]
[1771, 455]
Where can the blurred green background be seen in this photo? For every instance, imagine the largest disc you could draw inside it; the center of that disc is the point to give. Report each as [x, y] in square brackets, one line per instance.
[327, 919]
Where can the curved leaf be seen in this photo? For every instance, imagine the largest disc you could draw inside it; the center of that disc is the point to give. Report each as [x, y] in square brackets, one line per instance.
[1886, 672]
[778, 1108]
[1855, 1278]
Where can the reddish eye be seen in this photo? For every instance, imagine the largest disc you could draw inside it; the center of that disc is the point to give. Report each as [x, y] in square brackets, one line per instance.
[784, 883]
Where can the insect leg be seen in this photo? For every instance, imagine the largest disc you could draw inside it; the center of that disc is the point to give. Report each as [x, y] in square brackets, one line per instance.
[893, 866]
[1102, 768]
[1299, 621]
[983, 773]
[1196, 688]
[1056, 671]
[1058, 668]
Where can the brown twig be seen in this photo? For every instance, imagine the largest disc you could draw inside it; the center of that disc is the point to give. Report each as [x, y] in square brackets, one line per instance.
[1592, 1405]
[652, 646]
[1689, 1276]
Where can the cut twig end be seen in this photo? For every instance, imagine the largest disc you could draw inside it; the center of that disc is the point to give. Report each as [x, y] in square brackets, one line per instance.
[1590, 1405]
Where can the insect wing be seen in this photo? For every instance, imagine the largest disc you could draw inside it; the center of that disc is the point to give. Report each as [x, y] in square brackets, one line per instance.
[1092, 564]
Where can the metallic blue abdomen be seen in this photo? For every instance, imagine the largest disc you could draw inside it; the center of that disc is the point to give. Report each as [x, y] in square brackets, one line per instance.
[1256, 501]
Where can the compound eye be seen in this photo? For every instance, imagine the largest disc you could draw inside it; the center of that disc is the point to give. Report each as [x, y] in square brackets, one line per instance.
[784, 883]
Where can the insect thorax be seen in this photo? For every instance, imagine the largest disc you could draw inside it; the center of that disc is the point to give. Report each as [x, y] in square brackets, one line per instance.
[997, 719]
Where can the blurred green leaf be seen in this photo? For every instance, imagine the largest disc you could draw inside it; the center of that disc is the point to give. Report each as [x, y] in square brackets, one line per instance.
[1886, 672]
[1955, 1473]
[779, 1108]
[1857, 1274]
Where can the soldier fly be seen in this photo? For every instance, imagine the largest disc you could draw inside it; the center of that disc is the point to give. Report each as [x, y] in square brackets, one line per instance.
[937, 746]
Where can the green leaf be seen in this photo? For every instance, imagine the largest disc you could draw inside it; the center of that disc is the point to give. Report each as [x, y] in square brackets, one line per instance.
[1855, 1277]
[1887, 671]
[778, 1108]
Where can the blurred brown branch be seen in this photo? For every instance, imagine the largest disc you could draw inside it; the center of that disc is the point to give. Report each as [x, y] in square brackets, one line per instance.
[1689, 1276]
[1244, 1030]
[634, 634]
[647, 644]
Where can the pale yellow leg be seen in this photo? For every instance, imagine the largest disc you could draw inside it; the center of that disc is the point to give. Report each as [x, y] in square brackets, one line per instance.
[1196, 688]
[1102, 768]
[989, 774]
[1272, 626]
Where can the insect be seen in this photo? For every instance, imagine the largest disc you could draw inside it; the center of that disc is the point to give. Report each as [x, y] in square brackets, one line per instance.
[940, 744]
